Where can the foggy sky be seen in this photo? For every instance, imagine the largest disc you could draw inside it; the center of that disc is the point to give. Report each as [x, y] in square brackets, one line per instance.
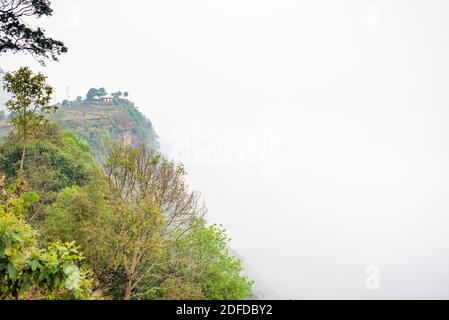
[317, 131]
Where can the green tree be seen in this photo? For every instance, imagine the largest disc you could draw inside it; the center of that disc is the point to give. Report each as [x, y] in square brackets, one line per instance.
[65, 103]
[222, 279]
[84, 214]
[55, 160]
[30, 102]
[152, 202]
[101, 92]
[199, 266]
[17, 35]
[28, 270]
[125, 221]
[91, 94]
[2, 115]
[117, 94]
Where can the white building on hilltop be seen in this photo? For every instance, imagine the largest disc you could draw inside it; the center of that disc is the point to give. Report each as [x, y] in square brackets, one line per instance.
[104, 99]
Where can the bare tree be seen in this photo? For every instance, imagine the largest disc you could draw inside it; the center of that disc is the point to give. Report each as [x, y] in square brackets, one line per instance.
[151, 203]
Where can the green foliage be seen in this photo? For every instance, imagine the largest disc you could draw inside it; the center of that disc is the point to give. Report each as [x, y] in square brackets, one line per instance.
[142, 232]
[24, 204]
[2, 115]
[102, 125]
[84, 215]
[109, 233]
[139, 226]
[92, 93]
[28, 271]
[73, 145]
[142, 127]
[51, 167]
[29, 102]
[222, 279]
[97, 136]
[101, 92]
[56, 160]
[198, 267]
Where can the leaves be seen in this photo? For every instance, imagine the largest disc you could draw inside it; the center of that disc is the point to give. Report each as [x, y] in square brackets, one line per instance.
[29, 102]
[34, 263]
[17, 35]
[23, 265]
[7, 242]
[12, 271]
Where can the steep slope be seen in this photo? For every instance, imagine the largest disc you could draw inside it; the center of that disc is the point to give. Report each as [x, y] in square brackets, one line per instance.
[101, 122]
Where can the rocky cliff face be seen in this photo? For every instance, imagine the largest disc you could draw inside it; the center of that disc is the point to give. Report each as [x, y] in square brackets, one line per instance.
[102, 124]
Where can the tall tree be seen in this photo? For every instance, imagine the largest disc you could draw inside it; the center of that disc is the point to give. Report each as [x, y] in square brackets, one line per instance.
[16, 34]
[30, 102]
[198, 266]
[151, 202]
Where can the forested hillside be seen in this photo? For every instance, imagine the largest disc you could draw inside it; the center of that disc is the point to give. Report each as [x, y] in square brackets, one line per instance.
[89, 208]
[116, 223]
[100, 120]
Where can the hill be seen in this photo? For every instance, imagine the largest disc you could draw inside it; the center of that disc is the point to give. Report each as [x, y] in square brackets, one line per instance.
[100, 122]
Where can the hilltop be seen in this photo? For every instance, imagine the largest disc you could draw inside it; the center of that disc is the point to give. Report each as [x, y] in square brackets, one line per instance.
[101, 119]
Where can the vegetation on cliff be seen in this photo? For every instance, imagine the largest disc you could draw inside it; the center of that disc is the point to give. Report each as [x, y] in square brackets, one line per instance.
[126, 227]
[89, 209]
[100, 122]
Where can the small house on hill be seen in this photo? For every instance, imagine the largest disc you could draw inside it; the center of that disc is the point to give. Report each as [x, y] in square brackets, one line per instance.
[104, 99]
[107, 99]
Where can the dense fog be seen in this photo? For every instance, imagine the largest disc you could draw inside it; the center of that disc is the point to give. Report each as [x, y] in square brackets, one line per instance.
[317, 131]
